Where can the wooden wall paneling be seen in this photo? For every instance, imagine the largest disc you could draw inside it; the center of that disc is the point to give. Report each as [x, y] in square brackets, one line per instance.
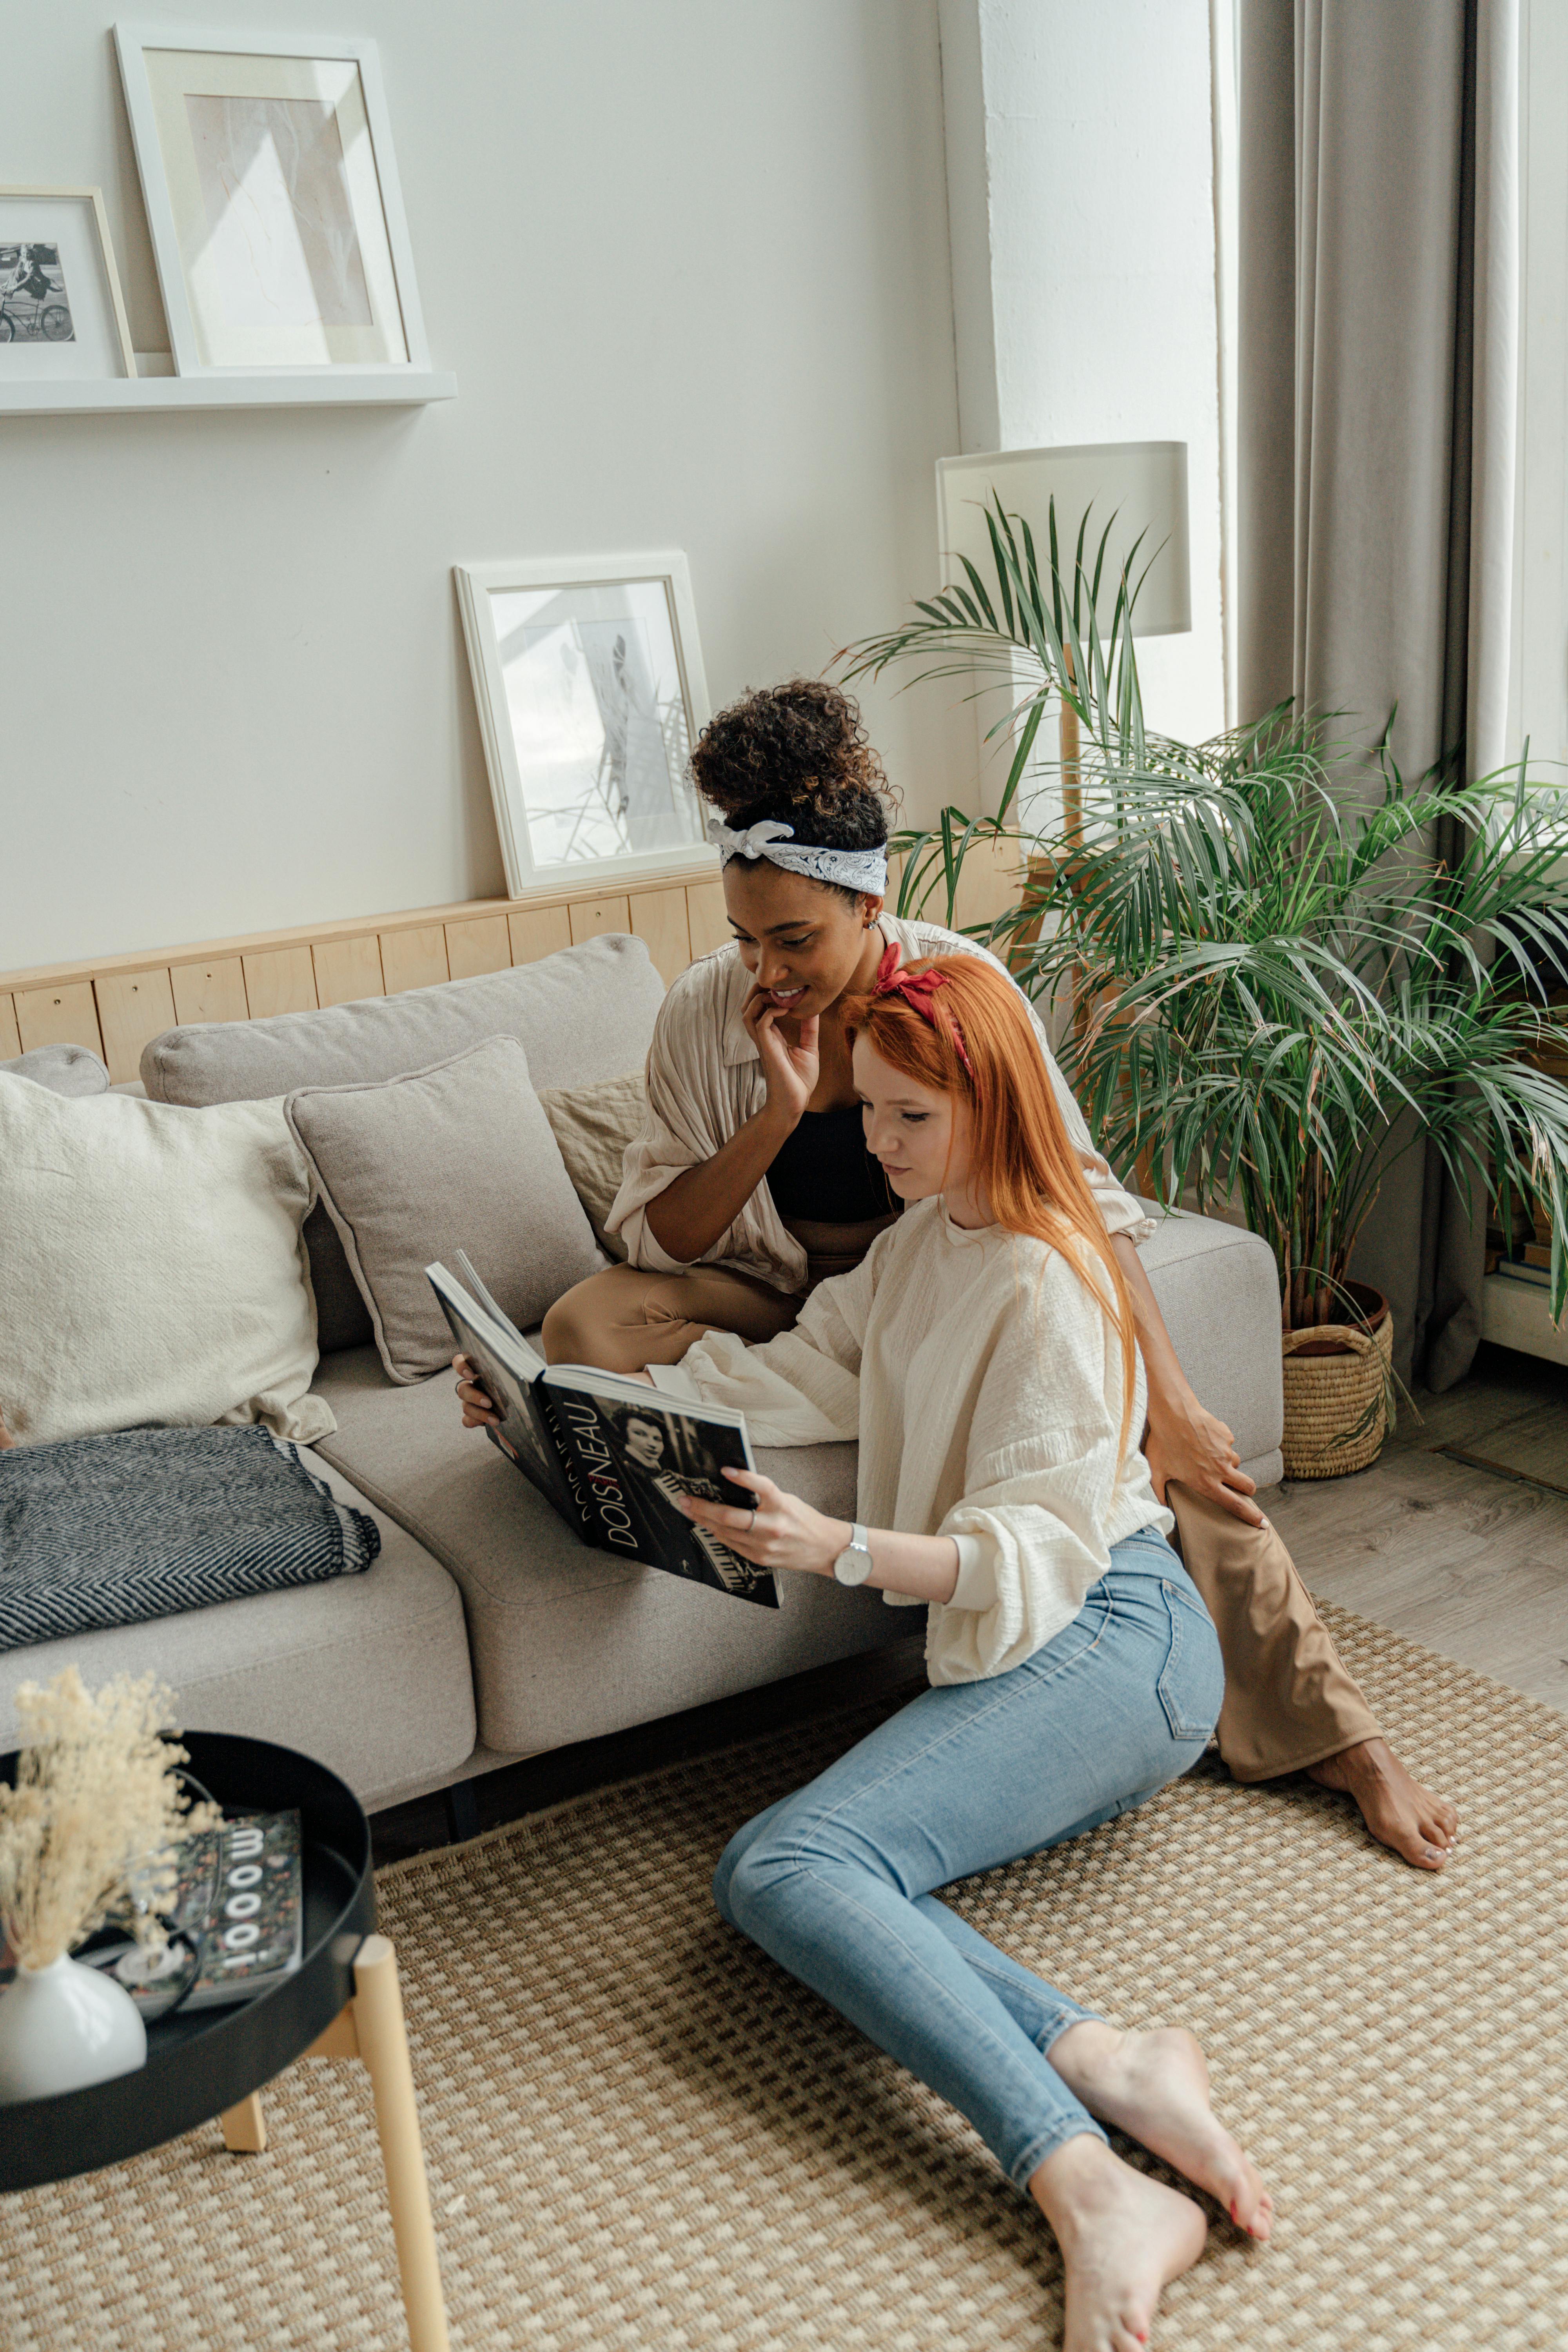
[416, 959]
[346, 969]
[592, 916]
[538, 932]
[65, 1015]
[210, 992]
[477, 947]
[710, 925]
[10, 1036]
[279, 979]
[134, 1007]
[659, 920]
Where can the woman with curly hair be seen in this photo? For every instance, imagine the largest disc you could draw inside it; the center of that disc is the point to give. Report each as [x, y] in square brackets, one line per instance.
[751, 1181]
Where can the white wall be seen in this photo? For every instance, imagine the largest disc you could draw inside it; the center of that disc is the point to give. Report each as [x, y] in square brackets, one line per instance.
[1092, 205]
[689, 262]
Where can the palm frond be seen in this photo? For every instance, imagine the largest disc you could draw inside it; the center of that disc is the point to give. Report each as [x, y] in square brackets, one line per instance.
[1276, 986]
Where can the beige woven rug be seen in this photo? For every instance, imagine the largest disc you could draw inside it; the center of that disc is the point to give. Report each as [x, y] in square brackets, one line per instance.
[643, 2137]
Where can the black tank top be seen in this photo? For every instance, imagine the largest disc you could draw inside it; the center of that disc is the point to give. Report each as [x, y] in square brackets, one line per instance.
[825, 1172]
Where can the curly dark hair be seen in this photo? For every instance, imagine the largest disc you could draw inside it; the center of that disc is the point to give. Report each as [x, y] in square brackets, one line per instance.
[798, 752]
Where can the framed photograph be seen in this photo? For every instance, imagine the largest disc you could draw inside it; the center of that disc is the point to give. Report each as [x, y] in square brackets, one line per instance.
[61, 310]
[273, 198]
[590, 691]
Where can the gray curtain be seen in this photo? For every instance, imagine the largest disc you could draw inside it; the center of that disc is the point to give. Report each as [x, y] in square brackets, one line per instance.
[1375, 445]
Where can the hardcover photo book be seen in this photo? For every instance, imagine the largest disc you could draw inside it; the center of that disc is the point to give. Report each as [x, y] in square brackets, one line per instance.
[611, 1456]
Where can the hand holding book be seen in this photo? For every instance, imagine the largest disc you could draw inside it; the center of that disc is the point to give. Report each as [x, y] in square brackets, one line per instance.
[781, 1532]
[615, 1459]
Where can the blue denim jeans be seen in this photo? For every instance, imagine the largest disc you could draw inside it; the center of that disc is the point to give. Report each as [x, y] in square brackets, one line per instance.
[835, 1882]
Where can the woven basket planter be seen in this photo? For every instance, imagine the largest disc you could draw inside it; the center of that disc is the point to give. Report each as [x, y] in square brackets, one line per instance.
[1336, 1391]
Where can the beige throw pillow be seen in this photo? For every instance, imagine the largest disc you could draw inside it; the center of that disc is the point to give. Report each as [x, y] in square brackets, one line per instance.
[457, 1156]
[593, 1125]
[152, 1267]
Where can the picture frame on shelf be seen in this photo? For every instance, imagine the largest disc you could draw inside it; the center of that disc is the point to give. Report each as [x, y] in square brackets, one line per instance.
[62, 314]
[588, 679]
[273, 200]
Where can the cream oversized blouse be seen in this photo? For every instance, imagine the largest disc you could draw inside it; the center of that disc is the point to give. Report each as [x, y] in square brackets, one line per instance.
[985, 1385]
[705, 1081]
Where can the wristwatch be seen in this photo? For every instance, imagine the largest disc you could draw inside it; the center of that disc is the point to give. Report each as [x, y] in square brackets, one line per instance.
[852, 1565]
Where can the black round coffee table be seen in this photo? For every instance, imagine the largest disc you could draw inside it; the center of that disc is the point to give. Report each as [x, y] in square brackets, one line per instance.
[341, 2001]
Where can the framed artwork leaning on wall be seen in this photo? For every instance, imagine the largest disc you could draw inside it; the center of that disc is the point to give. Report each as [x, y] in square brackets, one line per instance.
[590, 690]
[61, 309]
[272, 199]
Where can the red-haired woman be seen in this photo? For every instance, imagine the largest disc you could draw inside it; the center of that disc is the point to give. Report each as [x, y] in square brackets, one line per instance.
[982, 1353]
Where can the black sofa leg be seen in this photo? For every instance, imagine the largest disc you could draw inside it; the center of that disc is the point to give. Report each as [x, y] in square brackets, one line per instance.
[462, 1811]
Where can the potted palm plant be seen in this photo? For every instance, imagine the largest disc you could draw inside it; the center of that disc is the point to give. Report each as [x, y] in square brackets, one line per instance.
[1285, 964]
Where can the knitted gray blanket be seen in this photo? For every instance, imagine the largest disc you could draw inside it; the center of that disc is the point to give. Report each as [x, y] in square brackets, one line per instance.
[149, 1522]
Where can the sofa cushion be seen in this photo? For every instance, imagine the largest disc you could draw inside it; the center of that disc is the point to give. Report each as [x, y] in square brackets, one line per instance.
[1218, 1290]
[585, 1013]
[64, 1069]
[593, 1125]
[370, 1674]
[459, 1156]
[569, 1643]
[152, 1267]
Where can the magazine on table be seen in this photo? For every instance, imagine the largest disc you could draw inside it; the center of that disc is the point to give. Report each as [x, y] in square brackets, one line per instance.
[235, 1924]
[612, 1456]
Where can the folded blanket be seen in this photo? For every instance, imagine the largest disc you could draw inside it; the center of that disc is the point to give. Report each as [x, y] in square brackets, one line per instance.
[149, 1522]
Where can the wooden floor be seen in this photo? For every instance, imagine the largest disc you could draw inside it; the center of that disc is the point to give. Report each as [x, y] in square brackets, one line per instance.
[1471, 1561]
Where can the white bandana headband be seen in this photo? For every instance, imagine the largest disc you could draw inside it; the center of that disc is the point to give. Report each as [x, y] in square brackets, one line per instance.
[852, 869]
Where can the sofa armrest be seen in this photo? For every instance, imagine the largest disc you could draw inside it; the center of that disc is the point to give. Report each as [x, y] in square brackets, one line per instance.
[1219, 1293]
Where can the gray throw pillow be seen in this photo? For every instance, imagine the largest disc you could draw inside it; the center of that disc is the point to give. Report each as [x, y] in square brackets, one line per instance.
[580, 1014]
[457, 1156]
[64, 1069]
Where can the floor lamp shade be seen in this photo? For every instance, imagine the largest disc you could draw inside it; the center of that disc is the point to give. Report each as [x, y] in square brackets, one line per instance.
[1144, 484]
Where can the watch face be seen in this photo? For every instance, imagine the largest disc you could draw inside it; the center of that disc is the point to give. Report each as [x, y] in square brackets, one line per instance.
[852, 1565]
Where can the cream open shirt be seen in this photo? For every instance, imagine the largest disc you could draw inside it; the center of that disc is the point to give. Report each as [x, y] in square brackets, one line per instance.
[705, 1081]
[985, 1385]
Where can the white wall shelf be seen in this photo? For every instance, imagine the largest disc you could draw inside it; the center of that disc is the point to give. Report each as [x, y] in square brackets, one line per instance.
[116, 395]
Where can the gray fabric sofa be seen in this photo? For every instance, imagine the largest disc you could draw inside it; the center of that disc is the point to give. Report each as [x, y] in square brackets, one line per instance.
[485, 1630]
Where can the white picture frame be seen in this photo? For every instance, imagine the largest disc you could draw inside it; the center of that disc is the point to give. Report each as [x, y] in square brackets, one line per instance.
[273, 200]
[588, 679]
[62, 314]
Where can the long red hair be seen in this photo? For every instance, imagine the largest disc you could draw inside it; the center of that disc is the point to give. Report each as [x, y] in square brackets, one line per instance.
[980, 1045]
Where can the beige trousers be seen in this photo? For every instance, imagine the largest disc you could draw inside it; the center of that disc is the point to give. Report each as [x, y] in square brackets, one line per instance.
[1290, 1700]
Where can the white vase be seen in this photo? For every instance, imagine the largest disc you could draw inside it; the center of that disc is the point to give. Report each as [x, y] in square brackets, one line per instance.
[64, 2026]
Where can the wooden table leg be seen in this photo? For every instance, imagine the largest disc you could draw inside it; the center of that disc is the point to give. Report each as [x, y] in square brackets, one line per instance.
[371, 2027]
[384, 2046]
[245, 2127]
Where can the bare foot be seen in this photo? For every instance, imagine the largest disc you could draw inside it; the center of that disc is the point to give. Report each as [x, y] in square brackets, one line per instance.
[1395, 1808]
[1123, 2238]
[1155, 2088]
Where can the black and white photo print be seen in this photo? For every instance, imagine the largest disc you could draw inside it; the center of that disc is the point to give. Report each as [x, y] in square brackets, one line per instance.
[34, 305]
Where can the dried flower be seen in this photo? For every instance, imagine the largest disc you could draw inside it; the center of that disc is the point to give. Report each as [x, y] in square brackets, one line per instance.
[90, 1830]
